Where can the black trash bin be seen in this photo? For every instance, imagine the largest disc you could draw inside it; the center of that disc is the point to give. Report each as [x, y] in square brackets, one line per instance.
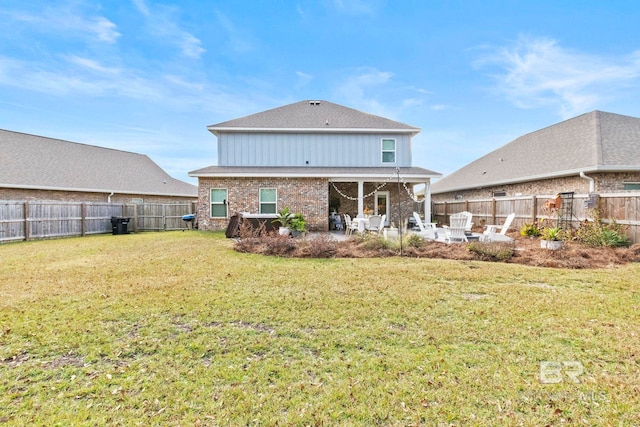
[119, 225]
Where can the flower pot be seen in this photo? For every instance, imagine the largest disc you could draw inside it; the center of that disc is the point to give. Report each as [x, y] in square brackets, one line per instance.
[551, 244]
[284, 231]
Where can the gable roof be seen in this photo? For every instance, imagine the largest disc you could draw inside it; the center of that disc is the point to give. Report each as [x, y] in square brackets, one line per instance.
[314, 116]
[592, 142]
[36, 162]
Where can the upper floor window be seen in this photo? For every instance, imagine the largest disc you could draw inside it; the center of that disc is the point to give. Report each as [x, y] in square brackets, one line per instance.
[388, 151]
[218, 203]
[268, 198]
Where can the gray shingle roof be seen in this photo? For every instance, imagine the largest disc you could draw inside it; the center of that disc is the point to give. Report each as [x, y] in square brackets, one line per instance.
[313, 115]
[413, 174]
[37, 162]
[595, 141]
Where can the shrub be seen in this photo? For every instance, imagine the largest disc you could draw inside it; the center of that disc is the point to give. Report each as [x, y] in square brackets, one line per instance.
[530, 230]
[415, 241]
[323, 246]
[492, 251]
[598, 233]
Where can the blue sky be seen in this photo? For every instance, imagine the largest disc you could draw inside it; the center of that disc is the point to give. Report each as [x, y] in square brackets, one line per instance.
[149, 76]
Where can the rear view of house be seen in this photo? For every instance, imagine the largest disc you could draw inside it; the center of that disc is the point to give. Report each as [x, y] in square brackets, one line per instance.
[315, 157]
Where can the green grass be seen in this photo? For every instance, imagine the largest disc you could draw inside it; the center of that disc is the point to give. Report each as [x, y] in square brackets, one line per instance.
[178, 329]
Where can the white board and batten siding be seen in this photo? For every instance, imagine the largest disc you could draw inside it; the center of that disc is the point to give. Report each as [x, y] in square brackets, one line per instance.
[296, 149]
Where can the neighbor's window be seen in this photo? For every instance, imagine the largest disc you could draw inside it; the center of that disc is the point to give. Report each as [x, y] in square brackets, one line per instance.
[268, 197]
[631, 185]
[388, 151]
[499, 193]
[218, 203]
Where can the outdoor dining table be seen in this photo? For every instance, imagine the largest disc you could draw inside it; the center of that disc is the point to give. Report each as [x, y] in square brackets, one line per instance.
[363, 224]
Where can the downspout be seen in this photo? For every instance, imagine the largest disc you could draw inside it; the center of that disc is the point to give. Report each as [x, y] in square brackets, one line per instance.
[592, 182]
[109, 197]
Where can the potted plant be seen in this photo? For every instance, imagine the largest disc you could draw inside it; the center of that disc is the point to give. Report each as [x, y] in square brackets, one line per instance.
[298, 225]
[284, 217]
[551, 238]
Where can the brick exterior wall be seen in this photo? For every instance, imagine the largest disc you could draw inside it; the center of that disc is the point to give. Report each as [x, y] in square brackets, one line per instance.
[308, 196]
[604, 183]
[79, 196]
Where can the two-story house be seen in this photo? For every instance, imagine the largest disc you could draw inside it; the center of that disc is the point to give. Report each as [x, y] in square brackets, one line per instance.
[315, 157]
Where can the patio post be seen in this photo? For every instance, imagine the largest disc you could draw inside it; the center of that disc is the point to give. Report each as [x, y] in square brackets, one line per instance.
[427, 201]
[360, 198]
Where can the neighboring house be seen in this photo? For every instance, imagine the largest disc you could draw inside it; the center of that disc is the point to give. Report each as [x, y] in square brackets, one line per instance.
[315, 157]
[40, 168]
[596, 152]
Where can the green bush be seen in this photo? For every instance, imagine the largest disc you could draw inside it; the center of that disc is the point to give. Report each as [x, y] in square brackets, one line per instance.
[530, 230]
[415, 241]
[598, 233]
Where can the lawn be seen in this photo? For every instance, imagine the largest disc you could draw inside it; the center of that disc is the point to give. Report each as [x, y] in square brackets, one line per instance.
[176, 328]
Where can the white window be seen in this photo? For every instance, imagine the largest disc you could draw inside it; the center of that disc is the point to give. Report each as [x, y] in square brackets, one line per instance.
[268, 199]
[218, 203]
[388, 151]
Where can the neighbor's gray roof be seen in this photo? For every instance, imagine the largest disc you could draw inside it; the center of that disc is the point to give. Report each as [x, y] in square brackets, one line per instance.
[377, 174]
[593, 142]
[315, 116]
[36, 162]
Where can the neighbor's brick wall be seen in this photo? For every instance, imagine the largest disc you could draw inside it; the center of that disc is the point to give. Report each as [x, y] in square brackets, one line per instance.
[308, 196]
[79, 196]
[351, 206]
[604, 183]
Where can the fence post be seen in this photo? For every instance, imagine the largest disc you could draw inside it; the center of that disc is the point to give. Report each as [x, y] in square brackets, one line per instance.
[26, 221]
[493, 211]
[534, 209]
[83, 219]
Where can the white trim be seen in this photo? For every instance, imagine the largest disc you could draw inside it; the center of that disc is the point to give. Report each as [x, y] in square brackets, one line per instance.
[215, 130]
[342, 177]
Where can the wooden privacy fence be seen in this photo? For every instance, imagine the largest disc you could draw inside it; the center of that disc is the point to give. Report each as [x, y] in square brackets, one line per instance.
[20, 220]
[624, 208]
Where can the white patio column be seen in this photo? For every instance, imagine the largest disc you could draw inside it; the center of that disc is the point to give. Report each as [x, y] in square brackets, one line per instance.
[360, 198]
[427, 201]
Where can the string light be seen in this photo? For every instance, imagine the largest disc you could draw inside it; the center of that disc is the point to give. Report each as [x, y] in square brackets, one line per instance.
[372, 193]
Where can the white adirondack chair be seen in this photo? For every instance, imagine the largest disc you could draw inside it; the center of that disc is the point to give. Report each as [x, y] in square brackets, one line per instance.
[491, 233]
[455, 231]
[426, 231]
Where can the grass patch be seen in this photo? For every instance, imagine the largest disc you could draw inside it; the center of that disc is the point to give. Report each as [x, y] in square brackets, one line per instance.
[179, 329]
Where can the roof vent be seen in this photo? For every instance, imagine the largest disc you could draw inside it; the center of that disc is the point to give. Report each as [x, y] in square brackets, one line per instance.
[314, 102]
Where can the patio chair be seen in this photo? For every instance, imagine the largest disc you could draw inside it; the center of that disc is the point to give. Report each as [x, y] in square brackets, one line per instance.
[382, 220]
[374, 223]
[426, 231]
[347, 224]
[455, 231]
[491, 234]
[469, 223]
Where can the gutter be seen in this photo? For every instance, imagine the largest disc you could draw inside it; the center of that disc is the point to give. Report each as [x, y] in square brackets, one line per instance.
[592, 182]
[109, 197]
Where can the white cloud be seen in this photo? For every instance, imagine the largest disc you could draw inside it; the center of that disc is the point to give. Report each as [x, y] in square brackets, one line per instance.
[161, 22]
[67, 20]
[537, 72]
